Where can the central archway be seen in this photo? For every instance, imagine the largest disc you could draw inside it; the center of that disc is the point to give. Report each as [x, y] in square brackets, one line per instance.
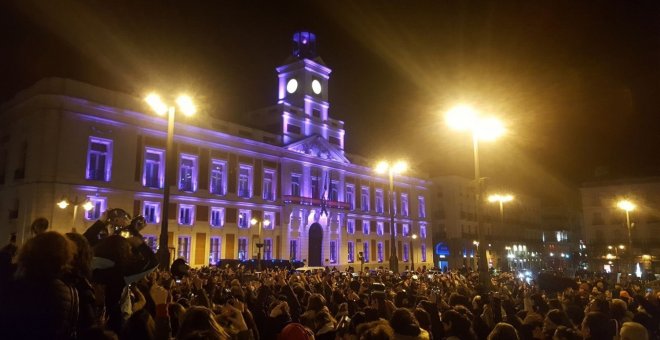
[315, 246]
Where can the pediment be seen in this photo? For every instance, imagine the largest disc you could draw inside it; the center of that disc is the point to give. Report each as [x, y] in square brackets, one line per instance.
[318, 146]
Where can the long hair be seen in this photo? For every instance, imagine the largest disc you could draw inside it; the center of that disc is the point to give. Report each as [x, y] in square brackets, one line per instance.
[199, 319]
[46, 256]
[82, 260]
[114, 248]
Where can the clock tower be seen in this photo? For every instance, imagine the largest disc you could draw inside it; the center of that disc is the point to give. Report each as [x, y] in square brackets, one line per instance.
[303, 94]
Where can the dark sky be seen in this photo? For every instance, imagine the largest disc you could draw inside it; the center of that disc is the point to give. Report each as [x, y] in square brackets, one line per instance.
[578, 84]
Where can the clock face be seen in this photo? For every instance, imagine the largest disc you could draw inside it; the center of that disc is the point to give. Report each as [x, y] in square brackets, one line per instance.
[292, 86]
[316, 86]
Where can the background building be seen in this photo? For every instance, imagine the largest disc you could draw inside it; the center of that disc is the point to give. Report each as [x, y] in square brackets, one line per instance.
[606, 227]
[65, 140]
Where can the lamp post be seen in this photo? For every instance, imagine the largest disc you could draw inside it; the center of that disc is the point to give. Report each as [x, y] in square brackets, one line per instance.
[465, 118]
[628, 206]
[259, 243]
[501, 199]
[385, 167]
[187, 107]
[616, 252]
[65, 202]
[412, 252]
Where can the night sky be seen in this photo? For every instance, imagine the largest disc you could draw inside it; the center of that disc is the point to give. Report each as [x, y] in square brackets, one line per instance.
[578, 85]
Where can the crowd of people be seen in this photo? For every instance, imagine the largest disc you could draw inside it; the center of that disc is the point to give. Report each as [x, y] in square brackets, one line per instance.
[105, 284]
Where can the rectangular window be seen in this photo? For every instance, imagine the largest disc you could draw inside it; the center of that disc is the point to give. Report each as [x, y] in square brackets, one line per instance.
[154, 168]
[334, 191]
[380, 229]
[151, 212]
[350, 227]
[290, 128]
[295, 185]
[151, 241]
[98, 207]
[217, 218]
[404, 205]
[214, 251]
[394, 206]
[365, 251]
[380, 252]
[316, 193]
[270, 217]
[351, 251]
[364, 199]
[217, 184]
[422, 207]
[422, 230]
[405, 229]
[188, 173]
[333, 251]
[186, 213]
[349, 196]
[183, 248]
[269, 185]
[293, 250]
[99, 159]
[379, 201]
[405, 252]
[422, 248]
[334, 140]
[268, 249]
[245, 181]
[365, 227]
[242, 249]
[244, 217]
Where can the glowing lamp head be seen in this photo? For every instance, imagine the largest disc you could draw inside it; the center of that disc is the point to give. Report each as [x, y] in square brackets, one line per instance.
[382, 167]
[63, 204]
[414, 236]
[156, 104]
[489, 129]
[266, 223]
[462, 118]
[626, 205]
[400, 167]
[88, 206]
[253, 221]
[500, 198]
[186, 105]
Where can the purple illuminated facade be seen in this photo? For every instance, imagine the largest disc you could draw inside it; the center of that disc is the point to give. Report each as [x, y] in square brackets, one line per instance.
[65, 139]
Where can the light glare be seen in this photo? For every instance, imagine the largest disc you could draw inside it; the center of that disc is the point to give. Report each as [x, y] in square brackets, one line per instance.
[156, 104]
[400, 167]
[186, 105]
[266, 223]
[88, 206]
[253, 221]
[500, 198]
[382, 167]
[462, 117]
[489, 129]
[626, 205]
[63, 204]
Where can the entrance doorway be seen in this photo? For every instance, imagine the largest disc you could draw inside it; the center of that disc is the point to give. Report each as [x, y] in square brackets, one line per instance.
[315, 246]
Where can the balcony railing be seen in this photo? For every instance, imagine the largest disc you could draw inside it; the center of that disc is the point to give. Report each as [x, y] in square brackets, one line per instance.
[288, 199]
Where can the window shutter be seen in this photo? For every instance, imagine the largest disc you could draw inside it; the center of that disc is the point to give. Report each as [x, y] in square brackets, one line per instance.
[136, 208]
[387, 249]
[277, 247]
[232, 216]
[202, 213]
[257, 178]
[172, 213]
[358, 226]
[372, 198]
[373, 250]
[373, 227]
[399, 228]
[204, 169]
[229, 244]
[232, 176]
[138, 157]
[386, 227]
[277, 220]
[200, 249]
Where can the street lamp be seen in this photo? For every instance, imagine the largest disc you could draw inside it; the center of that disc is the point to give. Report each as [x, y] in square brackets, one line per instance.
[465, 118]
[628, 206]
[187, 107]
[398, 168]
[412, 252]
[86, 205]
[259, 243]
[501, 199]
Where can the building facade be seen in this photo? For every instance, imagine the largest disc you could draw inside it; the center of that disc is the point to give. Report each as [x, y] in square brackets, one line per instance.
[313, 202]
[612, 240]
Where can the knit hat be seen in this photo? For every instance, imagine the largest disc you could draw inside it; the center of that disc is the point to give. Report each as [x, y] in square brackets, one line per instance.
[295, 331]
